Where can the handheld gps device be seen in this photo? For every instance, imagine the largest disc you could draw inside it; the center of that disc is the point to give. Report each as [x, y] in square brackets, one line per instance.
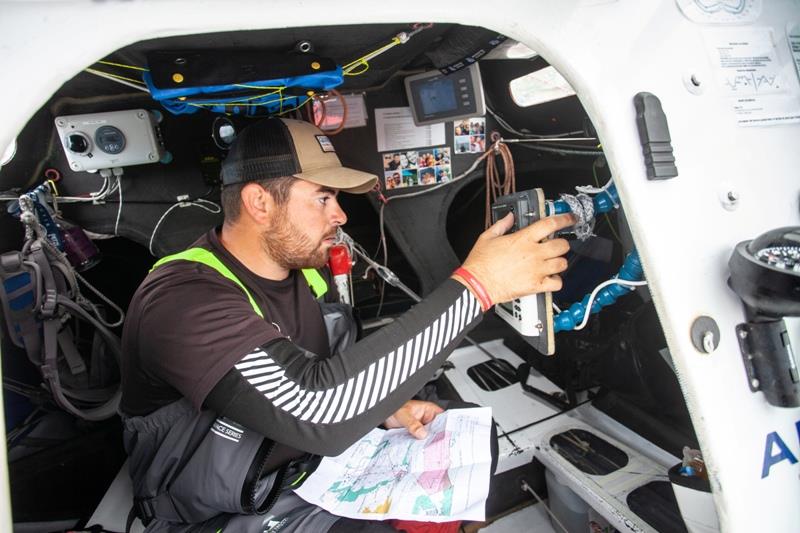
[532, 315]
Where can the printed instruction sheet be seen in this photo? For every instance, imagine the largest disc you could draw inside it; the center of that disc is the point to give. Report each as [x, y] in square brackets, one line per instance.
[762, 90]
[396, 131]
[390, 474]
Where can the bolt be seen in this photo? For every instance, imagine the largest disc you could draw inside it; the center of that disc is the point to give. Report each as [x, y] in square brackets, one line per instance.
[733, 196]
[754, 383]
[141, 114]
[742, 334]
[708, 342]
[540, 326]
[61, 122]
[151, 156]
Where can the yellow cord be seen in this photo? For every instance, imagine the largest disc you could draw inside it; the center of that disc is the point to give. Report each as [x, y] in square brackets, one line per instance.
[308, 99]
[109, 63]
[53, 187]
[362, 71]
[363, 60]
[117, 76]
[249, 86]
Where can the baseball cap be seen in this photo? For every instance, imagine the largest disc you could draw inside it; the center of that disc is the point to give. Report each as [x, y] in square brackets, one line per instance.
[278, 147]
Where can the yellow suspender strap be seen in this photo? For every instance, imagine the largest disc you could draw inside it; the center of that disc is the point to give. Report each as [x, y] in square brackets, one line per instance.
[314, 279]
[201, 255]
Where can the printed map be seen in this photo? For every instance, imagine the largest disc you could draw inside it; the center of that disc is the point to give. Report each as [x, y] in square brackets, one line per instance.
[390, 474]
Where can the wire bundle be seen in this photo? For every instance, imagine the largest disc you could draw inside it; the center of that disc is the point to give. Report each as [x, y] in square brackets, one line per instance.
[497, 185]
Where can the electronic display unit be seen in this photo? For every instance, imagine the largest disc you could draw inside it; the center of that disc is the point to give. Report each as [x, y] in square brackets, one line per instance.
[435, 97]
[532, 315]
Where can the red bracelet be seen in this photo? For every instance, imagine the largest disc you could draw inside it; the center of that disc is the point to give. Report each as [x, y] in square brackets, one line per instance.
[477, 288]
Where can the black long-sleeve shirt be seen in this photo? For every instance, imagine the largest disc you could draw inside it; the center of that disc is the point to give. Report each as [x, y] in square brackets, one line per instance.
[192, 333]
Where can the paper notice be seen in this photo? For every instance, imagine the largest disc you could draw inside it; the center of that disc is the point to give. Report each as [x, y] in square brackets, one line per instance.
[390, 474]
[793, 34]
[753, 79]
[396, 130]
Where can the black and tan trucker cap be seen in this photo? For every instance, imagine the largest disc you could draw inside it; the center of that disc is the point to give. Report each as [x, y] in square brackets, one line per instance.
[278, 147]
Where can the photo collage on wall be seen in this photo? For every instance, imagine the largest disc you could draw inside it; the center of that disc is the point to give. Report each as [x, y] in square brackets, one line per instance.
[469, 135]
[412, 168]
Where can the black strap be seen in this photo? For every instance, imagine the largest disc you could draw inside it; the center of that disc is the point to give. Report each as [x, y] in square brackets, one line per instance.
[160, 506]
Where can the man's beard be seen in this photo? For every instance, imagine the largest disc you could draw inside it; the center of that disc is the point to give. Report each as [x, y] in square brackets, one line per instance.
[291, 248]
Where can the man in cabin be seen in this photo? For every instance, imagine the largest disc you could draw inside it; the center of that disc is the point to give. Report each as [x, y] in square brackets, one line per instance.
[240, 367]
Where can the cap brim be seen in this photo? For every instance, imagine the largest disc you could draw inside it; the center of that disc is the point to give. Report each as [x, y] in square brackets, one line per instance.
[341, 178]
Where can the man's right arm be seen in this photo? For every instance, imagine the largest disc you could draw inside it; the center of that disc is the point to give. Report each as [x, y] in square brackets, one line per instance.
[324, 405]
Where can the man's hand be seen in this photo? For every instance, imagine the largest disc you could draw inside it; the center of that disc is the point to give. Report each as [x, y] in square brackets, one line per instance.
[413, 415]
[510, 266]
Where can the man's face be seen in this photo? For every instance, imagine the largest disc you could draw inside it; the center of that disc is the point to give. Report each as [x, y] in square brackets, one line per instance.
[301, 232]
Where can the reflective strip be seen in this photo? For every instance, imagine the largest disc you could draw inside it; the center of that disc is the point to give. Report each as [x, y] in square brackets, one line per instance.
[315, 281]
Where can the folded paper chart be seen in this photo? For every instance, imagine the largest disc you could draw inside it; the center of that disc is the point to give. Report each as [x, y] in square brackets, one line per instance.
[390, 474]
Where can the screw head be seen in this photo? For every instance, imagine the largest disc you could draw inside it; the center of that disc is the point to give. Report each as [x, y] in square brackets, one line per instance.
[742, 334]
[755, 383]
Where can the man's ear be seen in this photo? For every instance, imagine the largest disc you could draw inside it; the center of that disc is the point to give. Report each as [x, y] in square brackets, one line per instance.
[257, 203]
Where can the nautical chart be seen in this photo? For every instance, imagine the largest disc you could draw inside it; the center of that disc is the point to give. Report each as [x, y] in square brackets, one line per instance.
[390, 474]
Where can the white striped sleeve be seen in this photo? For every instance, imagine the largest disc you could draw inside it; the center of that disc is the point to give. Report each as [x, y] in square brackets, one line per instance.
[370, 384]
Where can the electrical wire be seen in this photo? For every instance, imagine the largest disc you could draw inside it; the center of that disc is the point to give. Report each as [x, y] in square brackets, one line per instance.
[603, 188]
[119, 209]
[511, 129]
[562, 151]
[614, 281]
[356, 250]
[524, 485]
[545, 419]
[183, 201]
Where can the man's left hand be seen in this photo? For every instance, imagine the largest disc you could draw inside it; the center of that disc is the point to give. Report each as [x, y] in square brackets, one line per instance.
[413, 416]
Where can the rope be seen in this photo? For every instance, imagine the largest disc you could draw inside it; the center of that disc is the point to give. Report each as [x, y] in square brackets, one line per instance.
[582, 206]
[129, 82]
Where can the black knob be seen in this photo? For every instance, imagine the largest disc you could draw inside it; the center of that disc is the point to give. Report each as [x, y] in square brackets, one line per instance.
[78, 143]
